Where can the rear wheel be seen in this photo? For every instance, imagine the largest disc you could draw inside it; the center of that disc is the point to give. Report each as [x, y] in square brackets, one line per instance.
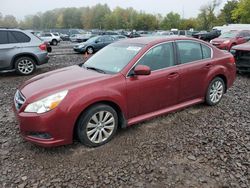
[25, 65]
[215, 91]
[97, 125]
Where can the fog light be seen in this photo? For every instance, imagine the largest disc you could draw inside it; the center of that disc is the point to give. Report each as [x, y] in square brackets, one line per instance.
[40, 135]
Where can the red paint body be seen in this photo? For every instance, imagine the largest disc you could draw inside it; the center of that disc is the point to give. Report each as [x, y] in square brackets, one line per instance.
[138, 97]
[240, 38]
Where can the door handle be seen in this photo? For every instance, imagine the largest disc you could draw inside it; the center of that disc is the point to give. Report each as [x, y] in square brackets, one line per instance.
[173, 75]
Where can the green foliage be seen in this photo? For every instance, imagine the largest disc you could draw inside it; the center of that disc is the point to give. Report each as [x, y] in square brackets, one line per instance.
[101, 17]
[171, 20]
[242, 11]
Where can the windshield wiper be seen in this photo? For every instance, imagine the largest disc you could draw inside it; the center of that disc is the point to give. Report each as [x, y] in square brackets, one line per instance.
[95, 69]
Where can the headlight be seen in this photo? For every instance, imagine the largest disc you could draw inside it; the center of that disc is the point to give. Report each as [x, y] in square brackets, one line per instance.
[226, 41]
[81, 46]
[46, 104]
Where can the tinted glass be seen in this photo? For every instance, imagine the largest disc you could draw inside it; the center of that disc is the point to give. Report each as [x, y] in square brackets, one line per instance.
[3, 37]
[20, 37]
[11, 38]
[182, 33]
[108, 38]
[48, 35]
[206, 52]
[159, 57]
[189, 51]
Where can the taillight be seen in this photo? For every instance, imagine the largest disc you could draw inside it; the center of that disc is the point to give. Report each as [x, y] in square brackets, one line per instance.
[43, 47]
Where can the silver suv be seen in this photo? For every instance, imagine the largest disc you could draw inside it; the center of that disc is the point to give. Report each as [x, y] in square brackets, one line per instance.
[21, 51]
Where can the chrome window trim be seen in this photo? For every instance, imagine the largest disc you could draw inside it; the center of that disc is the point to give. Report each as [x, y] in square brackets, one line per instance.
[178, 63]
[127, 76]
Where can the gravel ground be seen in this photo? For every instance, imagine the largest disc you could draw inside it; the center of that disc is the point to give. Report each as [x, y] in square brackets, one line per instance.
[200, 146]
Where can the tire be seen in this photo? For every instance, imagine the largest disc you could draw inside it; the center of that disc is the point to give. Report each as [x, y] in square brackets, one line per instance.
[215, 91]
[54, 42]
[91, 128]
[25, 65]
[90, 50]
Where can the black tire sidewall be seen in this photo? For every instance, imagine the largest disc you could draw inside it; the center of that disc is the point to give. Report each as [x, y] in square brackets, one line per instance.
[54, 42]
[23, 58]
[84, 119]
[208, 100]
[88, 50]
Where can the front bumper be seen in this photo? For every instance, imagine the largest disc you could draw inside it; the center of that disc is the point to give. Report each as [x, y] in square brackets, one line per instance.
[79, 50]
[54, 125]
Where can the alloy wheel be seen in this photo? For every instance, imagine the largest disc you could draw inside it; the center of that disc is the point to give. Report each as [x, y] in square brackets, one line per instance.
[25, 66]
[100, 126]
[216, 91]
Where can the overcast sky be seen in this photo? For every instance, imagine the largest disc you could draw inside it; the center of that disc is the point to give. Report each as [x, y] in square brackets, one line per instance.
[20, 8]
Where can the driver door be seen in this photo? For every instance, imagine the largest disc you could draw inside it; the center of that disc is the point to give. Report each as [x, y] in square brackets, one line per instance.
[146, 94]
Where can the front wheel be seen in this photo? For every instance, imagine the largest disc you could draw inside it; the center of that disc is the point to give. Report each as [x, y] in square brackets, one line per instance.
[97, 125]
[215, 91]
[90, 50]
[54, 42]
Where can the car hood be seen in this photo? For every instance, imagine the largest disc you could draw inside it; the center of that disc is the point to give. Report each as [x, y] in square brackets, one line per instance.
[220, 40]
[243, 47]
[62, 79]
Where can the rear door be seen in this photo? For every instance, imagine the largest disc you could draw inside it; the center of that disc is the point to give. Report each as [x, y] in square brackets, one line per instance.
[195, 63]
[146, 94]
[9, 47]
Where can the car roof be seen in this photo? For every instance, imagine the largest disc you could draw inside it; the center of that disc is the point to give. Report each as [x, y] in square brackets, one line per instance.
[155, 39]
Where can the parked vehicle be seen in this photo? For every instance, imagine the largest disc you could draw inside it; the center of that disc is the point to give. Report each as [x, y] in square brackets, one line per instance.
[232, 38]
[109, 33]
[80, 37]
[21, 51]
[51, 38]
[94, 44]
[162, 33]
[207, 36]
[119, 37]
[123, 84]
[242, 56]
[64, 37]
[133, 34]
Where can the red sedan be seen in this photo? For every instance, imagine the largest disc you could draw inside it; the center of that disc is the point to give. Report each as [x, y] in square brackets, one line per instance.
[123, 84]
[229, 39]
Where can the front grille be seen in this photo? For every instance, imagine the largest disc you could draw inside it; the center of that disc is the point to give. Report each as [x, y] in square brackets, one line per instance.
[19, 99]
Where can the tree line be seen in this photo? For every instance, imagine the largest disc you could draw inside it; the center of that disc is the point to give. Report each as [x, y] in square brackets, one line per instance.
[102, 17]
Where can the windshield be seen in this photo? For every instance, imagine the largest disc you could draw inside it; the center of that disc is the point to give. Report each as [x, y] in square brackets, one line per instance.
[93, 39]
[113, 58]
[228, 35]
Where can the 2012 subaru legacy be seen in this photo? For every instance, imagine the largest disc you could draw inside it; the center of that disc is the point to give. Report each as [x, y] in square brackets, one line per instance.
[127, 82]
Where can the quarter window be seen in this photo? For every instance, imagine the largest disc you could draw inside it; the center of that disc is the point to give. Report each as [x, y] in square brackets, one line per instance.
[159, 57]
[189, 51]
[206, 51]
[11, 38]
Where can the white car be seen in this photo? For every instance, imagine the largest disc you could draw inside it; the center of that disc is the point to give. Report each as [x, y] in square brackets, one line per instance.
[51, 38]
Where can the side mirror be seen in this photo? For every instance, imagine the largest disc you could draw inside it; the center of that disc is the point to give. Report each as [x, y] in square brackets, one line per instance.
[142, 70]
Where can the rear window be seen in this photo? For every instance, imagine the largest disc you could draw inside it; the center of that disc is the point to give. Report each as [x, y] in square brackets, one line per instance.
[20, 37]
[3, 37]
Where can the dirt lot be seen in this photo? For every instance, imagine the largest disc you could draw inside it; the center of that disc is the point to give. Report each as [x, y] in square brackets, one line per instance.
[200, 146]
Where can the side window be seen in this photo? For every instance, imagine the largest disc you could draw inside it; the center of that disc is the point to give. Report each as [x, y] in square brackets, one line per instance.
[48, 35]
[11, 38]
[20, 37]
[182, 33]
[206, 51]
[3, 37]
[159, 57]
[189, 51]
